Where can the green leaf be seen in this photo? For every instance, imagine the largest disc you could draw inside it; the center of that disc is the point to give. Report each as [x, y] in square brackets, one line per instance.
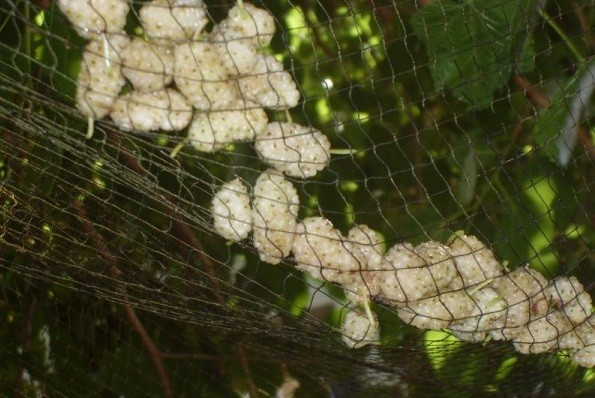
[471, 44]
[550, 120]
[526, 56]
[469, 180]
[555, 130]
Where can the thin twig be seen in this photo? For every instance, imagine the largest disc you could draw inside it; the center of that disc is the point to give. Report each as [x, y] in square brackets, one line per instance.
[179, 229]
[536, 97]
[417, 151]
[116, 274]
[385, 15]
[214, 358]
[154, 352]
[425, 3]
[585, 24]
[539, 99]
[27, 333]
[252, 390]
[583, 137]
[560, 32]
[190, 356]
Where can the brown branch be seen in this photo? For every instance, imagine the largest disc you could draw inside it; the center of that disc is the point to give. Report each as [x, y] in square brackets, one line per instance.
[252, 390]
[154, 352]
[386, 16]
[116, 274]
[417, 149]
[179, 229]
[27, 333]
[540, 100]
[585, 24]
[425, 3]
[535, 96]
[583, 137]
[216, 358]
[191, 356]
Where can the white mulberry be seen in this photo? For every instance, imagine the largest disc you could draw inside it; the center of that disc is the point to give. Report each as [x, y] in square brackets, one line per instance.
[148, 66]
[585, 356]
[247, 21]
[321, 250]
[239, 56]
[489, 307]
[541, 334]
[164, 109]
[441, 264]
[579, 337]
[212, 131]
[274, 211]
[523, 291]
[269, 85]
[296, 150]
[568, 295]
[91, 18]
[410, 274]
[358, 331]
[474, 261]
[361, 286]
[369, 243]
[231, 210]
[100, 78]
[401, 274]
[173, 20]
[438, 312]
[581, 340]
[200, 75]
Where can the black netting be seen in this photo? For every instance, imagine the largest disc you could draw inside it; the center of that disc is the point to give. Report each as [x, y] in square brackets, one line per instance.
[428, 121]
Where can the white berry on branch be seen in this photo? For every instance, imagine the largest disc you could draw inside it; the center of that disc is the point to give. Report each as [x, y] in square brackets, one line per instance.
[275, 208]
[92, 18]
[231, 211]
[164, 109]
[293, 149]
[147, 66]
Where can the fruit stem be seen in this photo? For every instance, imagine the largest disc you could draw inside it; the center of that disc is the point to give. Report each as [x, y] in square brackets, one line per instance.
[369, 312]
[90, 128]
[288, 115]
[342, 151]
[243, 12]
[178, 148]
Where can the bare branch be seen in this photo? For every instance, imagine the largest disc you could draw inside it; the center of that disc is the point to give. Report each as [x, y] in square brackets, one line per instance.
[116, 274]
[252, 390]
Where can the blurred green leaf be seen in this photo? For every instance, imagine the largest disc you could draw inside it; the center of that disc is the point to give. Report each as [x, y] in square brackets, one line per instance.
[471, 45]
[556, 128]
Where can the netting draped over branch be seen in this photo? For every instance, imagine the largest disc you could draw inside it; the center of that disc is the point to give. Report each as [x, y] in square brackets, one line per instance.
[211, 198]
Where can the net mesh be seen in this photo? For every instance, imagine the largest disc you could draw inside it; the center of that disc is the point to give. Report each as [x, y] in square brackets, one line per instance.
[442, 116]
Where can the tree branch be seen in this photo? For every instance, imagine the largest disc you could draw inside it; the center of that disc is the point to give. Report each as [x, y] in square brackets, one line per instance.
[154, 352]
[179, 229]
[27, 333]
[252, 390]
[116, 274]
[535, 96]
[540, 100]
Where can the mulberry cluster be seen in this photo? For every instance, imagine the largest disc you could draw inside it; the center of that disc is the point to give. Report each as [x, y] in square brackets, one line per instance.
[218, 83]
[272, 215]
[461, 287]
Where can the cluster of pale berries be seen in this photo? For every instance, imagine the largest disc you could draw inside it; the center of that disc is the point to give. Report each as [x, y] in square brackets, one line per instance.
[460, 287]
[217, 83]
[228, 80]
